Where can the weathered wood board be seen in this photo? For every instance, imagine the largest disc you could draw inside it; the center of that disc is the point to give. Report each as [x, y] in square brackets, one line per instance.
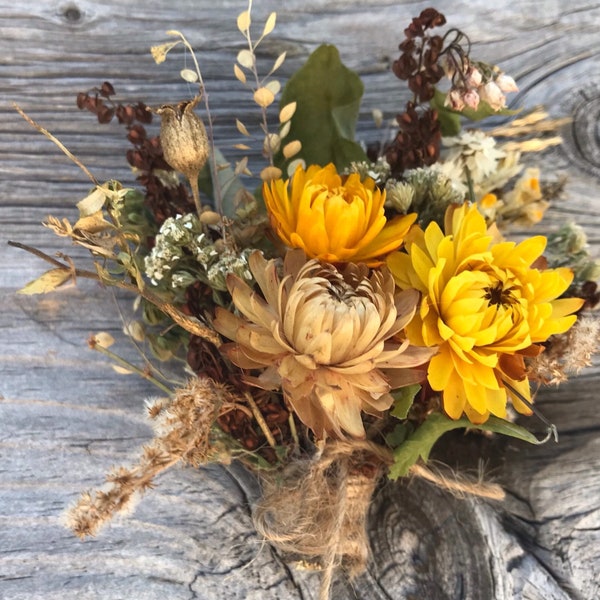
[66, 416]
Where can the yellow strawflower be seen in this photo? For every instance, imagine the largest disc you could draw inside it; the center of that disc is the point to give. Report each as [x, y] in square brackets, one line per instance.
[334, 220]
[485, 305]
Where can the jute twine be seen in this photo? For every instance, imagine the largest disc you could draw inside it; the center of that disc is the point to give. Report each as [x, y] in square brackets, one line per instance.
[317, 508]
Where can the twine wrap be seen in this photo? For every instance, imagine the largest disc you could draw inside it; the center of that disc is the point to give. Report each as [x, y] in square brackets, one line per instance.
[317, 508]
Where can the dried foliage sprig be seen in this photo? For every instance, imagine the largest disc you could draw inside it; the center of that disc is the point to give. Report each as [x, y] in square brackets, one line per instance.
[183, 434]
[188, 323]
[264, 92]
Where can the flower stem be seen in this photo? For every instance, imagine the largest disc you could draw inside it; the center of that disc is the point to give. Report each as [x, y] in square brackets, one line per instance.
[260, 420]
[293, 430]
[470, 185]
[196, 194]
[214, 168]
[131, 367]
[551, 431]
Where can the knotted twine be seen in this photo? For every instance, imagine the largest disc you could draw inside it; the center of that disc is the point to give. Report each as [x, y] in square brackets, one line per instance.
[316, 509]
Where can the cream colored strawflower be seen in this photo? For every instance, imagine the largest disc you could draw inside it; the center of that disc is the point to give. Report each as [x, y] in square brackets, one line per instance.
[325, 337]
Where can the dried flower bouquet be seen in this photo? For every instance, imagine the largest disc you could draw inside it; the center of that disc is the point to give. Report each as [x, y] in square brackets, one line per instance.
[341, 314]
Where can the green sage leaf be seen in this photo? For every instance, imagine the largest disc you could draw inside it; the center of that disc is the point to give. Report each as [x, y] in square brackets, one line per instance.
[328, 98]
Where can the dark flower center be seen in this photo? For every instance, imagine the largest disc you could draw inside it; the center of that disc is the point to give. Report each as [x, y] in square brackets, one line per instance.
[498, 295]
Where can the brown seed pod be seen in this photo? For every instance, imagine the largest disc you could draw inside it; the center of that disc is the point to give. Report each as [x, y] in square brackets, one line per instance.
[184, 141]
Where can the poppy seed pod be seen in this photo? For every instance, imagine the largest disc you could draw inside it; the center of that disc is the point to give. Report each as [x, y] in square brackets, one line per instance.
[184, 141]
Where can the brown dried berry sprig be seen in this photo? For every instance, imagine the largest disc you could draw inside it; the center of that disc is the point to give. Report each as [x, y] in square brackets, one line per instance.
[417, 142]
[164, 198]
[590, 292]
[423, 61]
[419, 59]
[241, 426]
[99, 102]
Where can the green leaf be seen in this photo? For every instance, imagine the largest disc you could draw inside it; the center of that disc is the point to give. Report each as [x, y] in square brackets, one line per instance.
[449, 119]
[403, 400]
[328, 98]
[229, 183]
[497, 425]
[47, 282]
[420, 442]
[398, 435]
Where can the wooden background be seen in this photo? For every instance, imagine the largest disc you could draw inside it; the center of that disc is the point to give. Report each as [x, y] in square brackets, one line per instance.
[66, 416]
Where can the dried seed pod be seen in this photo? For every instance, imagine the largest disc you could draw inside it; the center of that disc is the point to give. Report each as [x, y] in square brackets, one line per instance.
[184, 141]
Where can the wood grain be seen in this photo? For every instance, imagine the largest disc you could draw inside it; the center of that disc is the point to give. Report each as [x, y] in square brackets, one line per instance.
[66, 417]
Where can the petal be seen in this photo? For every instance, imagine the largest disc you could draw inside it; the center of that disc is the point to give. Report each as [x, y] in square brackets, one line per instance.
[413, 356]
[347, 414]
[265, 274]
[402, 377]
[226, 323]
[454, 397]
[441, 369]
[390, 238]
[524, 389]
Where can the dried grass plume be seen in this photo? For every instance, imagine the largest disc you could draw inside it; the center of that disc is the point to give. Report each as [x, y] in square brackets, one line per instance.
[182, 433]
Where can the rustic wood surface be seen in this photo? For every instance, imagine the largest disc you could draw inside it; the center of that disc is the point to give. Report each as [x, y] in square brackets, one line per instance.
[66, 416]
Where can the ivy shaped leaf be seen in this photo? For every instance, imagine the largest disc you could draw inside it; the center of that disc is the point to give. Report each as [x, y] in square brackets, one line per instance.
[419, 443]
[328, 98]
[403, 400]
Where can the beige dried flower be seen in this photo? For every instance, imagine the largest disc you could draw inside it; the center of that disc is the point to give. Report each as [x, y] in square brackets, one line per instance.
[182, 433]
[326, 337]
[184, 141]
[568, 353]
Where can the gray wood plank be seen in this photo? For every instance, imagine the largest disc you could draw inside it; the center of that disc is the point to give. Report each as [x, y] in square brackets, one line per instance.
[66, 416]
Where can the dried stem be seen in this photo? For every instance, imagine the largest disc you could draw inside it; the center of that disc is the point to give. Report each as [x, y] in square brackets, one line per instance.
[56, 141]
[183, 427]
[214, 168]
[260, 420]
[131, 367]
[190, 324]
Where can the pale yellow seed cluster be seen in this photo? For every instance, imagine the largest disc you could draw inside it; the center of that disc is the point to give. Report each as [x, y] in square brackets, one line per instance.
[264, 92]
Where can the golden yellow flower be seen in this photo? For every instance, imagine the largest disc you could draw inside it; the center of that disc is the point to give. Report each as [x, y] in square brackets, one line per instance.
[325, 337]
[485, 305]
[331, 219]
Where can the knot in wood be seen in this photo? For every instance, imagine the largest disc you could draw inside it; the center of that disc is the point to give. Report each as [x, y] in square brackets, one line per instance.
[582, 136]
[71, 14]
